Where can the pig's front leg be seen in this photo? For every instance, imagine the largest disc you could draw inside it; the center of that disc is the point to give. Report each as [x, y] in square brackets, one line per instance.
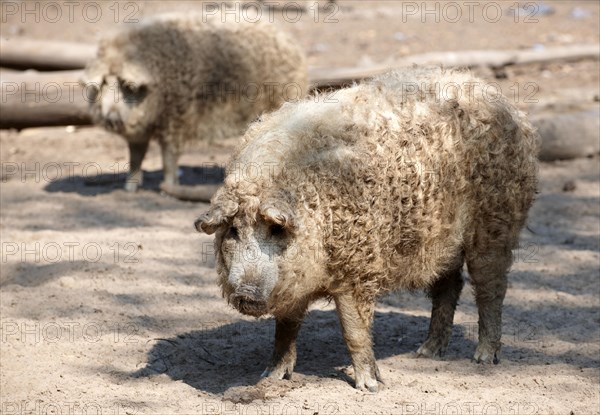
[137, 151]
[170, 157]
[356, 319]
[284, 354]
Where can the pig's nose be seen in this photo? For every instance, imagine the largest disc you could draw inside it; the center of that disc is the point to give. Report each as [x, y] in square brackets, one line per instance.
[113, 119]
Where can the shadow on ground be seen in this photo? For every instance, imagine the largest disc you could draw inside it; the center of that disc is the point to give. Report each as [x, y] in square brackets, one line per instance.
[215, 359]
[226, 358]
[109, 182]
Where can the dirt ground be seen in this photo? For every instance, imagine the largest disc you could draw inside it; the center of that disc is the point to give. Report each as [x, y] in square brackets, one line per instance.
[108, 300]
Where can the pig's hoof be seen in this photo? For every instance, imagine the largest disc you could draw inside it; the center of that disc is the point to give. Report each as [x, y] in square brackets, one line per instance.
[367, 385]
[278, 372]
[131, 186]
[486, 354]
[431, 348]
[368, 381]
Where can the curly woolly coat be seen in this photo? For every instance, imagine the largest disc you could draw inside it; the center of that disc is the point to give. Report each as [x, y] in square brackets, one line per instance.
[206, 79]
[389, 184]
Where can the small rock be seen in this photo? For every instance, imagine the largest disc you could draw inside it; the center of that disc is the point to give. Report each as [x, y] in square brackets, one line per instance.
[67, 282]
[579, 13]
[16, 30]
[365, 60]
[559, 37]
[399, 36]
[532, 10]
[320, 48]
[500, 73]
[569, 186]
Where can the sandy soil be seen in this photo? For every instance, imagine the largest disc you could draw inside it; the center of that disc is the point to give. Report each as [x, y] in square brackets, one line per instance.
[108, 300]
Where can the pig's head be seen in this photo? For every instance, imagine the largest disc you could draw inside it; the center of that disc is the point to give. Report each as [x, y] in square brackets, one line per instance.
[252, 246]
[122, 94]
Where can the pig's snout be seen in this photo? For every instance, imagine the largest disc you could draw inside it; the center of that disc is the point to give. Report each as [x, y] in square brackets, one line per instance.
[113, 121]
[250, 281]
[247, 299]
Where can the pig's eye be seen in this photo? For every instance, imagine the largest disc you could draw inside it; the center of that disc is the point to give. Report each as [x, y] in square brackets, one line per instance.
[233, 232]
[133, 93]
[276, 230]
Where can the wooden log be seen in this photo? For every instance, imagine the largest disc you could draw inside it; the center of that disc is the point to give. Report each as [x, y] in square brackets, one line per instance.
[36, 99]
[570, 135]
[67, 76]
[33, 99]
[23, 53]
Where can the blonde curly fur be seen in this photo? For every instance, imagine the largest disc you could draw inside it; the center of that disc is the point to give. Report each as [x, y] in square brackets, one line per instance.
[204, 79]
[389, 184]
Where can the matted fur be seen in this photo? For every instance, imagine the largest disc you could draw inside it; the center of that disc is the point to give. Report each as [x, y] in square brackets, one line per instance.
[389, 184]
[209, 79]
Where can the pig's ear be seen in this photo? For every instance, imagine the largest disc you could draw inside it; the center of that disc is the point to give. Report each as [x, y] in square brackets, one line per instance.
[279, 213]
[216, 217]
[93, 75]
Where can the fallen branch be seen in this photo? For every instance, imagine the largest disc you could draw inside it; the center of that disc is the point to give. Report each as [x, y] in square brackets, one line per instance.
[200, 193]
[327, 77]
[41, 54]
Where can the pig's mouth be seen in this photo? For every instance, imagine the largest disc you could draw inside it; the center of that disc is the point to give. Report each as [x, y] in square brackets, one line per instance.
[248, 305]
[114, 125]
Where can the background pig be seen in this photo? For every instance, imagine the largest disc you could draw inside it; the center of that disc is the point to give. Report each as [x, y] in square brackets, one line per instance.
[180, 78]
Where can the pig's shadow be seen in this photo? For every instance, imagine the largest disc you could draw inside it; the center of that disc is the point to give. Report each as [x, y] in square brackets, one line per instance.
[219, 357]
[93, 184]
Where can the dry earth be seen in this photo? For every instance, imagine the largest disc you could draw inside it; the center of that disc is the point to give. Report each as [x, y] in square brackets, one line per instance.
[108, 300]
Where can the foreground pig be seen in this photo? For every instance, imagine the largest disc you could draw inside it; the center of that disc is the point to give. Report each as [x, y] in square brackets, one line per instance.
[392, 184]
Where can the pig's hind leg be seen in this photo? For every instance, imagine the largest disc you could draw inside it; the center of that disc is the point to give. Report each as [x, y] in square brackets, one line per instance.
[444, 294]
[488, 276]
